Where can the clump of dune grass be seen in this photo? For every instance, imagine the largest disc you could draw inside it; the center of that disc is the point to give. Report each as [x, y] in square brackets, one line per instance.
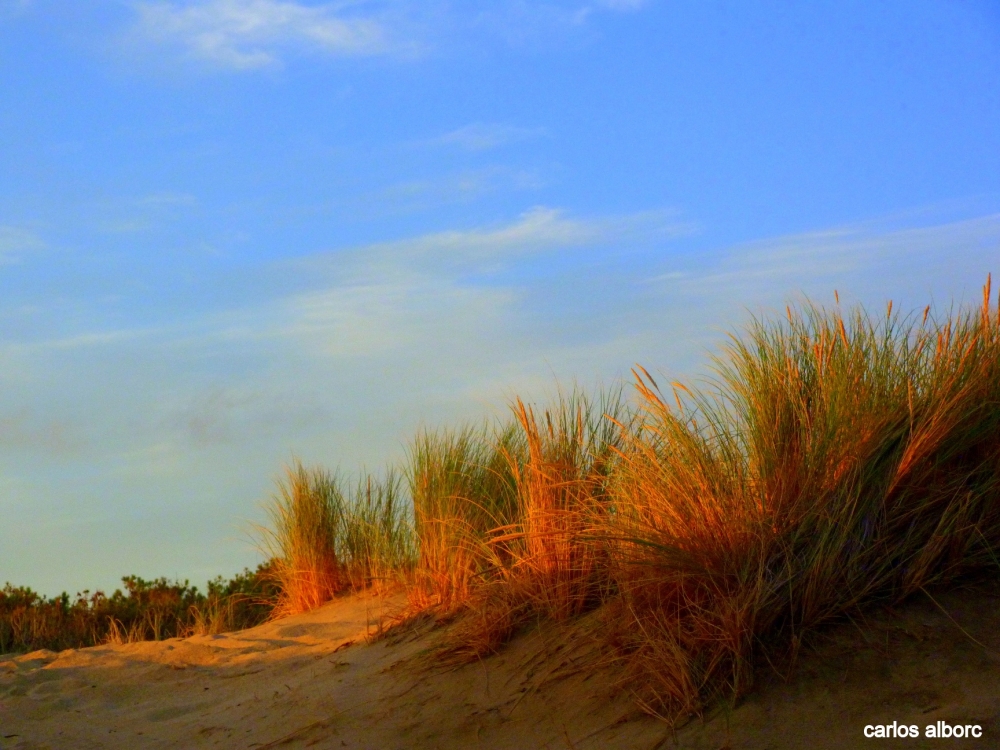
[306, 516]
[327, 536]
[836, 461]
[549, 560]
[377, 532]
[463, 487]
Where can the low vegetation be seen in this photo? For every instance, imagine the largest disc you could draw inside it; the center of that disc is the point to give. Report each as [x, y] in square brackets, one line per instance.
[145, 610]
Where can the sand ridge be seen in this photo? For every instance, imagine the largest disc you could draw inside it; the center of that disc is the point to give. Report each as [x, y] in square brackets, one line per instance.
[308, 680]
[320, 680]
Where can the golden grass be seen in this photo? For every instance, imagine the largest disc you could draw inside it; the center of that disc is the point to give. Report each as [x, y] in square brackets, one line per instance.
[326, 537]
[306, 519]
[834, 460]
[463, 486]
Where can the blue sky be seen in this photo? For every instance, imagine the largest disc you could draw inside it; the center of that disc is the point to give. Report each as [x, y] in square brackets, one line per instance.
[234, 231]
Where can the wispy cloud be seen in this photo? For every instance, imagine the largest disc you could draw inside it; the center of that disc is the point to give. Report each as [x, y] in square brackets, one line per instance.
[140, 213]
[536, 25]
[481, 136]
[252, 34]
[540, 229]
[168, 198]
[13, 8]
[390, 318]
[622, 5]
[16, 242]
[457, 187]
[427, 291]
[371, 298]
[868, 260]
[89, 340]
[248, 35]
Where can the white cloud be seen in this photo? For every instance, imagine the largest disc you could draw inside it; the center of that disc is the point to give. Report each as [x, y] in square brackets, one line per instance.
[255, 34]
[395, 296]
[622, 5]
[535, 25]
[540, 229]
[458, 187]
[365, 320]
[846, 252]
[88, 340]
[942, 265]
[168, 198]
[373, 299]
[481, 136]
[249, 34]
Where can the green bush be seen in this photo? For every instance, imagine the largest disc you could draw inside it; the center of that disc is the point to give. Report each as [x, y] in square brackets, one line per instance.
[145, 610]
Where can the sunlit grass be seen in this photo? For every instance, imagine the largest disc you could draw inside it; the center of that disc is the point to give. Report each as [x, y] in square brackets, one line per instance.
[463, 487]
[548, 560]
[327, 536]
[835, 459]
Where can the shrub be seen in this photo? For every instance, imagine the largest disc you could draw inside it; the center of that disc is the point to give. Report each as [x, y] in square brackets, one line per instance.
[146, 610]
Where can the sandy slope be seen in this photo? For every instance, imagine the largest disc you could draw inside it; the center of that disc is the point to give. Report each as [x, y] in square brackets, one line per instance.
[313, 681]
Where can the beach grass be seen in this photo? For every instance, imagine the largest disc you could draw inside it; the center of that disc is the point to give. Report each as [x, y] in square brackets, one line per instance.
[328, 535]
[463, 486]
[836, 460]
[833, 459]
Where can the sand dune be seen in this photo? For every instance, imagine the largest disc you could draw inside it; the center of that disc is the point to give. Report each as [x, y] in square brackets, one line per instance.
[320, 680]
